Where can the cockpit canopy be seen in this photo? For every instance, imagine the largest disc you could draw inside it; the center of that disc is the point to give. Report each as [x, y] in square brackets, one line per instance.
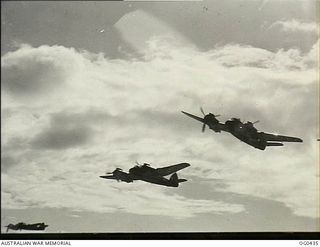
[235, 119]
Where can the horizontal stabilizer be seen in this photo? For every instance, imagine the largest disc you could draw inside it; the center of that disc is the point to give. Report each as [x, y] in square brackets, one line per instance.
[181, 180]
[274, 144]
[108, 177]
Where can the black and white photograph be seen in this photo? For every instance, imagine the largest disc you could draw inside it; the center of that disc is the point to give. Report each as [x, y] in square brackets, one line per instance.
[159, 117]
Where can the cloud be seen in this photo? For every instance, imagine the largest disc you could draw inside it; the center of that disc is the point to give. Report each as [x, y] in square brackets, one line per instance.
[294, 25]
[96, 196]
[232, 56]
[129, 109]
[62, 134]
[36, 71]
[61, 138]
[6, 162]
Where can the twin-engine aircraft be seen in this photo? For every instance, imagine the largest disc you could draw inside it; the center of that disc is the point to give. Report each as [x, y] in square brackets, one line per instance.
[148, 174]
[23, 226]
[245, 132]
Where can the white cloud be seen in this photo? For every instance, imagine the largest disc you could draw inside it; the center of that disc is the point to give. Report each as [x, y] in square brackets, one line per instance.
[35, 71]
[86, 192]
[294, 25]
[132, 108]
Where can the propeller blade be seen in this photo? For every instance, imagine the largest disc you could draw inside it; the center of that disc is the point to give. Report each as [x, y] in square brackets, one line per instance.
[137, 163]
[203, 127]
[218, 115]
[256, 122]
[201, 109]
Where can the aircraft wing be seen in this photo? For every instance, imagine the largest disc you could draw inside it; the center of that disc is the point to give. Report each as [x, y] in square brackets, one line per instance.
[164, 171]
[193, 116]
[279, 138]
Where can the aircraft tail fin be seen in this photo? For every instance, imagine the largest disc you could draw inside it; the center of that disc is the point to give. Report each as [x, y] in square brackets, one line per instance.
[174, 177]
[175, 180]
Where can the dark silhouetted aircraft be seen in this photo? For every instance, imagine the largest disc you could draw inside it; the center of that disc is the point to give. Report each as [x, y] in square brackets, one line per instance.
[245, 132]
[23, 226]
[148, 174]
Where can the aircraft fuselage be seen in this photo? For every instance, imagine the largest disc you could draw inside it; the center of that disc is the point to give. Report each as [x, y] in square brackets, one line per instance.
[150, 175]
[246, 134]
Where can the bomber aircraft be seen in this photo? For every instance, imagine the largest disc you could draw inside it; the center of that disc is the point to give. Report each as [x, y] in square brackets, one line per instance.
[23, 226]
[245, 132]
[148, 174]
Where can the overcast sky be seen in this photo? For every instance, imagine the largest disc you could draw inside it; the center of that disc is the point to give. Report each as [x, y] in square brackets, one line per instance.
[91, 86]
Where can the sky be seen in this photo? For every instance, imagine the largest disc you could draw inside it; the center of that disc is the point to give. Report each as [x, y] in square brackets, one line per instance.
[90, 86]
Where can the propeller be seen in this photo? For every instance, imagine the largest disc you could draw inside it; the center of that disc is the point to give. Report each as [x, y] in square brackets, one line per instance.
[203, 127]
[201, 109]
[204, 124]
[117, 169]
[138, 163]
[253, 123]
